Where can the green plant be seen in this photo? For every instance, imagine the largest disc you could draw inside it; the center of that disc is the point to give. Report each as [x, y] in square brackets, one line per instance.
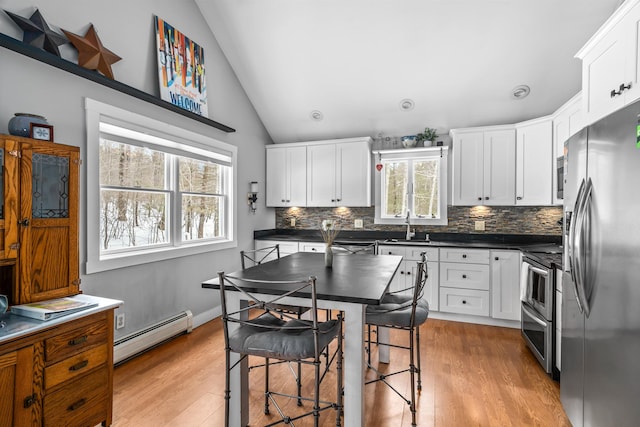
[429, 134]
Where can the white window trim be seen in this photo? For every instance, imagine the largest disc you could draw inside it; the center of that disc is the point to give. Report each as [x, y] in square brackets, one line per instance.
[95, 113]
[413, 154]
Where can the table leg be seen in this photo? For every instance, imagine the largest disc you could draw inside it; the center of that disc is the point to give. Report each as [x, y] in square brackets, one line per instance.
[383, 350]
[239, 379]
[354, 364]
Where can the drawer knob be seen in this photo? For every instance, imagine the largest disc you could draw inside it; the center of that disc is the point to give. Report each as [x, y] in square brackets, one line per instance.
[497, 259]
[408, 273]
[76, 405]
[79, 366]
[464, 255]
[464, 301]
[79, 340]
[402, 272]
[464, 276]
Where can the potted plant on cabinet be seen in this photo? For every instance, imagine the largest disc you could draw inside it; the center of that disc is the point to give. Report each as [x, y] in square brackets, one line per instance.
[427, 137]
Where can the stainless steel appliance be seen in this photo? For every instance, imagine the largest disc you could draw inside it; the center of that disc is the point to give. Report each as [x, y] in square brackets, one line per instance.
[600, 379]
[537, 321]
[560, 177]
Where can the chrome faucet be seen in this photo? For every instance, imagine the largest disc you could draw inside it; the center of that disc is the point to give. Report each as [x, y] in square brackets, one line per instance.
[410, 234]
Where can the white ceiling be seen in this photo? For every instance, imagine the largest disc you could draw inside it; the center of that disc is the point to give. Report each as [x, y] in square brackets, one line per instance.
[355, 60]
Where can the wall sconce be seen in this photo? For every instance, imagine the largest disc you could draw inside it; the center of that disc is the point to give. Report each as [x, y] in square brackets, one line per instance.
[252, 197]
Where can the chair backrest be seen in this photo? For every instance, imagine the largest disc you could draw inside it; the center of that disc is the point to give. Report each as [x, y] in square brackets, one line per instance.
[258, 256]
[259, 306]
[419, 285]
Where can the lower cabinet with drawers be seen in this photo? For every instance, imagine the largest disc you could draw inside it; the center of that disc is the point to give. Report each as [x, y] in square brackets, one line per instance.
[465, 281]
[60, 376]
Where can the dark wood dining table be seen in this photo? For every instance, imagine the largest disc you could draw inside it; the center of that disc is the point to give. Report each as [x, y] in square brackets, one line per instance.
[353, 282]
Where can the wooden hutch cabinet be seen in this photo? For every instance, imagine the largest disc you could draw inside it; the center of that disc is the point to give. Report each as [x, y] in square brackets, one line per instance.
[62, 372]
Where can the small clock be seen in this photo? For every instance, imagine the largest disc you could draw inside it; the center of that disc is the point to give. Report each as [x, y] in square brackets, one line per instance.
[42, 132]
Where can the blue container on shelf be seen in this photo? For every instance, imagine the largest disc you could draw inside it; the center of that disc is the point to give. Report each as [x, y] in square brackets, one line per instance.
[408, 141]
[20, 124]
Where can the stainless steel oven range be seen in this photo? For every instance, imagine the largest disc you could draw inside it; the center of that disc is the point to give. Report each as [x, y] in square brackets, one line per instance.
[538, 274]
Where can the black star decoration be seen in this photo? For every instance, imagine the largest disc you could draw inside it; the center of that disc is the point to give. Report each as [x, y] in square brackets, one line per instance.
[37, 32]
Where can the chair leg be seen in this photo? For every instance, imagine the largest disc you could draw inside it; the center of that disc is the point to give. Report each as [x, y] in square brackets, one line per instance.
[369, 345]
[412, 370]
[266, 386]
[339, 391]
[299, 384]
[418, 354]
[316, 394]
[227, 388]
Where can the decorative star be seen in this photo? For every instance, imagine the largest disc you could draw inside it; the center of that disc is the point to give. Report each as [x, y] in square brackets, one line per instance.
[91, 53]
[37, 33]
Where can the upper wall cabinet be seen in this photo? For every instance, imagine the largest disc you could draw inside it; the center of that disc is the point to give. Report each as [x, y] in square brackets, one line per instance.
[534, 162]
[484, 166]
[567, 121]
[286, 175]
[339, 174]
[611, 64]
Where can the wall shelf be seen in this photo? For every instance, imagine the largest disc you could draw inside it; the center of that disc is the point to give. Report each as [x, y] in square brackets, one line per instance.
[62, 64]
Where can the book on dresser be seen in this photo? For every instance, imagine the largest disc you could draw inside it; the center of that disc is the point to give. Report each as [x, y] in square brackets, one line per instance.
[51, 309]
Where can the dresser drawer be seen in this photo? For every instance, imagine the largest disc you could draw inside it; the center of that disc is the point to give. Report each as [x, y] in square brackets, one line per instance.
[84, 402]
[286, 248]
[465, 276]
[75, 366]
[75, 341]
[464, 301]
[474, 256]
[311, 247]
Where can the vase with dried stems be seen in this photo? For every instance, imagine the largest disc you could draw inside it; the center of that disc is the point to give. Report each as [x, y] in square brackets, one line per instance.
[329, 232]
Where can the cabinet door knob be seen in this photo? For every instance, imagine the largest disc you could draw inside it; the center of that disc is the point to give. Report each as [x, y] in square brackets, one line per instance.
[24, 222]
[479, 198]
[464, 255]
[464, 276]
[614, 93]
[333, 200]
[283, 200]
[464, 301]
[625, 87]
[338, 200]
[518, 198]
[486, 198]
[408, 273]
[497, 259]
[28, 401]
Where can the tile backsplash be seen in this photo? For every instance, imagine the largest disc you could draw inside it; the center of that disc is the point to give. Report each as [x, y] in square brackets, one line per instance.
[540, 220]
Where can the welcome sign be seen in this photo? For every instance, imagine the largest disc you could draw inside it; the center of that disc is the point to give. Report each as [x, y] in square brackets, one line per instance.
[181, 71]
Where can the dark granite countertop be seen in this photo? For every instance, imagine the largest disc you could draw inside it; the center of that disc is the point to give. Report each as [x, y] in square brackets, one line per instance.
[481, 241]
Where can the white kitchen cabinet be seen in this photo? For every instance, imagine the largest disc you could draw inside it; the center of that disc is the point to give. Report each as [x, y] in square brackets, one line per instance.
[534, 162]
[567, 121]
[339, 174]
[611, 64]
[405, 276]
[484, 166]
[286, 176]
[465, 281]
[312, 247]
[505, 285]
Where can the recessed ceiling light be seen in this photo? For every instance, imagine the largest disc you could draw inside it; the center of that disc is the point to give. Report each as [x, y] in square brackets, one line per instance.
[407, 104]
[316, 115]
[520, 92]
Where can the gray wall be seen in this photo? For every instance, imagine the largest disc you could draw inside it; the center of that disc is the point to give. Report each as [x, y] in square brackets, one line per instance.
[155, 291]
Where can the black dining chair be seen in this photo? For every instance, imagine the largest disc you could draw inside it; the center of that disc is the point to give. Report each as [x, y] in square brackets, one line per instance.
[406, 313]
[250, 258]
[260, 329]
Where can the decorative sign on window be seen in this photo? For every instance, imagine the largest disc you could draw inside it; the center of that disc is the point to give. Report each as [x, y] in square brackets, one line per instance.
[181, 72]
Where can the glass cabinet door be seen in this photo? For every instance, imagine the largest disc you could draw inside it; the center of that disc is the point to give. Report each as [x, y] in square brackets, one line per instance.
[49, 188]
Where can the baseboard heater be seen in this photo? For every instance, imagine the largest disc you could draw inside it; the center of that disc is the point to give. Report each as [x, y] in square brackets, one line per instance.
[133, 344]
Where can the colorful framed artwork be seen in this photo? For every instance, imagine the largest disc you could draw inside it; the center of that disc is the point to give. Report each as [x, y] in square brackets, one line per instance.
[181, 71]
[42, 132]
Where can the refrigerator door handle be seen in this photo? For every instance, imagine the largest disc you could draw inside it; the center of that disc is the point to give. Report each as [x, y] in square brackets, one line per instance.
[573, 245]
[585, 248]
[579, 249]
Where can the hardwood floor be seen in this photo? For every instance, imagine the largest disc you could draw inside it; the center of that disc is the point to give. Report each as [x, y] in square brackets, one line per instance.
[472, 375]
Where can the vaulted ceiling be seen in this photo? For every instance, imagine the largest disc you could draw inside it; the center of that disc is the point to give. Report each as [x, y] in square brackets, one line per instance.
[354, 61]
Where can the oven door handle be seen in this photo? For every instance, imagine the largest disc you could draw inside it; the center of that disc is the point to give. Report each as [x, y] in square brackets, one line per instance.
[533, 316]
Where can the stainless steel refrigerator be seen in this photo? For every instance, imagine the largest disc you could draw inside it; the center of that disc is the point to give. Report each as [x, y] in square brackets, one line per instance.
[600, 369]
